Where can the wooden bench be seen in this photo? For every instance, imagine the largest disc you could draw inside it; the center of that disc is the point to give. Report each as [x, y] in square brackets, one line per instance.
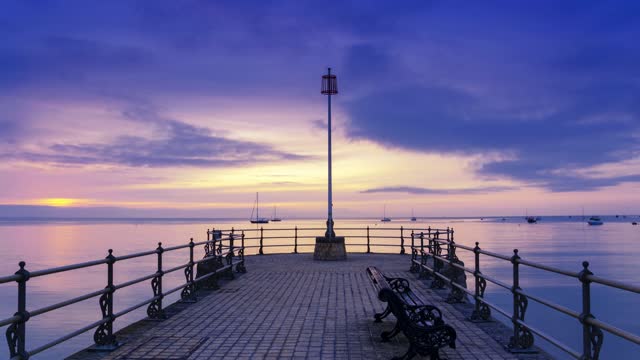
[421, 323]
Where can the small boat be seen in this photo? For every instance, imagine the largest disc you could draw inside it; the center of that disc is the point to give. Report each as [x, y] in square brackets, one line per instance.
[258, 219]
[531, 219]
[275, 217]
[634, 223]
[595, 220]
[384, 216]
[413, 218]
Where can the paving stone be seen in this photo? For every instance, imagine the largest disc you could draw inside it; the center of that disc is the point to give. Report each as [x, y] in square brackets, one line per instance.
[292, 307]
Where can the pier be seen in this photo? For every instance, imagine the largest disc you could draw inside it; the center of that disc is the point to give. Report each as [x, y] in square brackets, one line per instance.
[280, 303]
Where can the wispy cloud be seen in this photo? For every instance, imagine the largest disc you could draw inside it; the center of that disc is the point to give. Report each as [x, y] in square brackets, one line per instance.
[425, 191]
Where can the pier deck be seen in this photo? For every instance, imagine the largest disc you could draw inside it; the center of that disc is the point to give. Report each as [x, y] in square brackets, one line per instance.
[290, 306]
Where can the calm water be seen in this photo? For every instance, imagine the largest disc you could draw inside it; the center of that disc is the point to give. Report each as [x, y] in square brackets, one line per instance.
[613, 250]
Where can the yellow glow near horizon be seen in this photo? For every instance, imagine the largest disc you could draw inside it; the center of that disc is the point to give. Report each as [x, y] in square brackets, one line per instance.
[61, 202]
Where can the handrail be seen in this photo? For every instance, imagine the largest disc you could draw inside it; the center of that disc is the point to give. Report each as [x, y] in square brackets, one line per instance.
[104, 336]
[440, 251]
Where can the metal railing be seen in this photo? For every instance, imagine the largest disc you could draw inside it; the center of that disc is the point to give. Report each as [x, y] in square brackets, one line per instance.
[104, 338]
[441, 249]
[355, 237]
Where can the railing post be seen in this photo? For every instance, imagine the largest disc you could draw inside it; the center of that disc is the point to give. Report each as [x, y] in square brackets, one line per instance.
[154, 310]
[16, 332]
[103, 336]
[592, 336]
[368, 242]
[261, 252]
[401, 240]
[438, 264]
[295, 240]
[522, 339]
[231, 238]
[481, 311]
[188, 294]
[414, 254]
[422, 273]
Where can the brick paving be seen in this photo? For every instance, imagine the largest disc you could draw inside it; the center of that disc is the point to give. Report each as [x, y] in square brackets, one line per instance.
[292, 307]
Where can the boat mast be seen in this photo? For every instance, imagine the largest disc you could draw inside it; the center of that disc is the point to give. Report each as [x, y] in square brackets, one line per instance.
[257, 208]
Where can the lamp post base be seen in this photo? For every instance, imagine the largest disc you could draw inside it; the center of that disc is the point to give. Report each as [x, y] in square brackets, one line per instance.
[331, 249]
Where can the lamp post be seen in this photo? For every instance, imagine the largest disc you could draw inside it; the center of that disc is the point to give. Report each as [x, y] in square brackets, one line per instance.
[329, 87]
[329, 246]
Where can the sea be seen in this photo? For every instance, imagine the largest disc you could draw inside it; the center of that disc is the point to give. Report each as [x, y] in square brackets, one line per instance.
[612, 249]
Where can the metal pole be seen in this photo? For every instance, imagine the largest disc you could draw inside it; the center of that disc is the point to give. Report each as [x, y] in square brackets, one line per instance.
[330, 233]
[261, 236]
[368, 242]
[295, 243]
[591, 336]
[16, 332]
[401, 240]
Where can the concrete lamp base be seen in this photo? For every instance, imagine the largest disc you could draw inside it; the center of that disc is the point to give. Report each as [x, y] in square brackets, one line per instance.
[330, 248]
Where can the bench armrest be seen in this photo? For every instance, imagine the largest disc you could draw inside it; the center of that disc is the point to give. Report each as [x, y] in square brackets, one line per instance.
[425, 314]
[400, 285]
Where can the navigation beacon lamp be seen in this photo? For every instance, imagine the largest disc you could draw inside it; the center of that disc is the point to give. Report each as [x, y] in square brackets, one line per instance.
[329, 246]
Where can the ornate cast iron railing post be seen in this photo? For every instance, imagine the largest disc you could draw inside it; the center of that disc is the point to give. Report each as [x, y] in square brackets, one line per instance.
[401, 240]
[103, 336]
[16, 332]
[188, 294]
[438, 264]
[481, 311]
[154, 310]
[368, 242]
[261, 237]
[423, 274]
[592, 336]
[522, 339]
[206, 245]
[231, 238]
[295, 240]
[456, 295]
[414, 254]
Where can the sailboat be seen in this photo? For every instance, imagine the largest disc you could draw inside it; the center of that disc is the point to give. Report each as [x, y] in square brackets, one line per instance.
[275, 215]
[258, 219]
[595, 220]
[384, 216]
[413, 218]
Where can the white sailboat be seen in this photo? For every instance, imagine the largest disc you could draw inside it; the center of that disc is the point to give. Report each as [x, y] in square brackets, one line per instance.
[384, 216]
[256, 209]
[275, 215]
[413, 218]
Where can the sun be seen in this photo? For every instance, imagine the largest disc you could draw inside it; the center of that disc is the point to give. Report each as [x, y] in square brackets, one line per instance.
[61, 202]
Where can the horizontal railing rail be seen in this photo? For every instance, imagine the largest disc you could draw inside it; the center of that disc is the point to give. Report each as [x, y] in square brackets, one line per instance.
[104, 337]
[292, 239]
[430, 251]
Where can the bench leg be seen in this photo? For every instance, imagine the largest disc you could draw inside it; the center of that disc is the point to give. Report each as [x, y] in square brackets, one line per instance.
[410, 354]
[386, 335]
[382, 315]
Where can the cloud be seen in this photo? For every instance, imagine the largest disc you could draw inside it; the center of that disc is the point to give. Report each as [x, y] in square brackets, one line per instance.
[428, 191]
[181, 145]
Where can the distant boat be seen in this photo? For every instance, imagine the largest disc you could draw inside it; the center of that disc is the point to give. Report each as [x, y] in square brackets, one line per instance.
[256, 209]
[413, 218]
[531, 219]
[275, 213]
[595, 220]
[634, 223]
[384, 215]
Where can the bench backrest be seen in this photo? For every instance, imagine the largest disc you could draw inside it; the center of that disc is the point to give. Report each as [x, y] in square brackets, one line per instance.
[380, 283]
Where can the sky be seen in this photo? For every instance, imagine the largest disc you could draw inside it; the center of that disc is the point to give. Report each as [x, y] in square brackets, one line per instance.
[445, 108]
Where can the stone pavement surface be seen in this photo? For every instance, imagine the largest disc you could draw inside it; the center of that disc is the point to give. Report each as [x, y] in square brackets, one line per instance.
[292, 307]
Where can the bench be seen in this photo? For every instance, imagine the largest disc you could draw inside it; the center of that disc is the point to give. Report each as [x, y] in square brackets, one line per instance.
[421, 323]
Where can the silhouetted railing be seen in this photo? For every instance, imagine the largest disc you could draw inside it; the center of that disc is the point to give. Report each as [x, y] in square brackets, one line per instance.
[103, 337]
[364, 237]
[440, 248]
